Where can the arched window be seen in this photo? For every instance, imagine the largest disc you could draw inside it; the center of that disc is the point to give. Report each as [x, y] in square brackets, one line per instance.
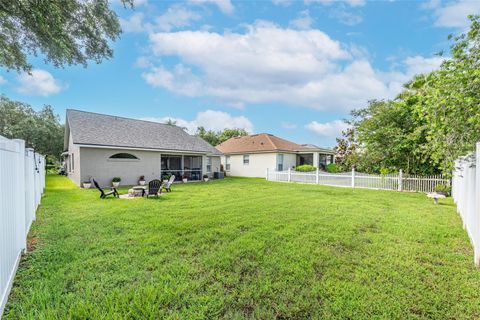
[123, 156]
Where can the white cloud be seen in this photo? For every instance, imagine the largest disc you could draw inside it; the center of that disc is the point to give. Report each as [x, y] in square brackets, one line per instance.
[143, 62]
[419, 65]
[136, 3]
[133, 24]
[331, 129]
[210, 120]
[288, 125]
[176, 17]
[346, 17]
[39, 83]
[225, 6]
[453, 14]
[283, 3]
[352, 3]
[269, 64]
[2, 80]
[303, 22]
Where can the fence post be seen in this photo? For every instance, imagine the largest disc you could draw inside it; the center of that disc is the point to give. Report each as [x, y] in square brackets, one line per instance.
[267, 174]
[21, 193]
[289, 174]
[317, 177]
[353, 177]
[400, 180]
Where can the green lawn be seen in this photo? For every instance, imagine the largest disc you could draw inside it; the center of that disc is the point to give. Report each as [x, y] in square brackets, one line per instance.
[246, 248]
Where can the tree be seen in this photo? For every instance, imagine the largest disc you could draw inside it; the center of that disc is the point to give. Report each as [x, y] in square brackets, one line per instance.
[346, 150]
[435, 120]
[449, 100]
[171, 122]
[41, 130]
[67, 32]
[217, 137]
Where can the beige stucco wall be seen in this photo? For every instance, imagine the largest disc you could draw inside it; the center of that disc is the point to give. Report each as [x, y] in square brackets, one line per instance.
[95, 163]
[259, 162]
[74, 174]
[215, 165]
[216, 162]
[289, 160]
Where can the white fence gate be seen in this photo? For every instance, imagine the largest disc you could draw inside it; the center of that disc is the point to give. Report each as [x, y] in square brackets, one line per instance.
[399, 181]
[466, 194]
[22, 181]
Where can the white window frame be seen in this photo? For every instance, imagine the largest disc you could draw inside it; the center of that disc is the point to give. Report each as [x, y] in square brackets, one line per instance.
[247, 158]
[280, 163]
[209, 164]
[227, 163]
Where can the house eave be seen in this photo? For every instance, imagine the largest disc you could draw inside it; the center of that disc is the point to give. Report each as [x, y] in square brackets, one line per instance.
[96, 146]
[281, 151]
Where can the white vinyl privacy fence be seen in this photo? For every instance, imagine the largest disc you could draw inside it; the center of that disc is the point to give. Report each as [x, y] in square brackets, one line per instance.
[353, 179]
[22, 181]
[466, 194]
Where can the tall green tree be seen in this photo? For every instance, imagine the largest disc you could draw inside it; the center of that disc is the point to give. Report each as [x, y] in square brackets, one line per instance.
[67, 32]
[429, 125]
[41, 130]
[449, 100]
[217, 137]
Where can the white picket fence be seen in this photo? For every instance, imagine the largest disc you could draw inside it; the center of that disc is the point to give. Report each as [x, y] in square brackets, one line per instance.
[22, 181]
[399, 182]
[466, 194]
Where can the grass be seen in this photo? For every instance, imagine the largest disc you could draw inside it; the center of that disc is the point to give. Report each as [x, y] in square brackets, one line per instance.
[245, 248]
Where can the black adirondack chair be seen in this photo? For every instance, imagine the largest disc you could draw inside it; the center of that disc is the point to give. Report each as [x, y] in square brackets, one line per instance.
[154, 187]
[104, 193]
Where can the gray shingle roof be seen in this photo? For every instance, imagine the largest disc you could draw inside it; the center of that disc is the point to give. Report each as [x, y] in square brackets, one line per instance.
[105, 130]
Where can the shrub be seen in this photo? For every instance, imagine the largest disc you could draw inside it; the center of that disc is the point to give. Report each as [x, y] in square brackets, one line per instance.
[443, 189]
[332, 168]
[205, 176]
[385, 171]
[165, 177]
[116, 179]
[305, 168]
[142, 178]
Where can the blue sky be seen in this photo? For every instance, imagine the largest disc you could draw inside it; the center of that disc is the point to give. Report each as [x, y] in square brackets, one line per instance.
[291, 68]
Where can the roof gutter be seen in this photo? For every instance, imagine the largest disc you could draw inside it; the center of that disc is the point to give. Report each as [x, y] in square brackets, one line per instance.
[96, 146]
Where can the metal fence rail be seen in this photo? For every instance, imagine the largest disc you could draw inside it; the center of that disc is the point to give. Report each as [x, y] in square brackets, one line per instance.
[22, 181]
[399, 182]
[466, 194]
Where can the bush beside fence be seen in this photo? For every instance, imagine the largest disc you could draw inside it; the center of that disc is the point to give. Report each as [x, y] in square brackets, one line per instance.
[466, 194]
[353, 179]
[22, 181]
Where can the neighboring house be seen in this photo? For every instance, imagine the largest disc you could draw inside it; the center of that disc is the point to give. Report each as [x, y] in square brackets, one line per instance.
[250, 156]
[103, 146]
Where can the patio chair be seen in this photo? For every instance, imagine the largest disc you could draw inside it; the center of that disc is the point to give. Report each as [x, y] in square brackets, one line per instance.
[103, 193]
[169, 183]
[154, 187]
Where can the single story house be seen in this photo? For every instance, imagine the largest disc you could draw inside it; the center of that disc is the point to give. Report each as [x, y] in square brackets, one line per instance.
[250, 156]
[104, 146]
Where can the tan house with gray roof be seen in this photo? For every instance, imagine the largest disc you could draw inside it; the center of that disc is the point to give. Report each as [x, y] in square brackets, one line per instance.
[250, 156]
[104, 146]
